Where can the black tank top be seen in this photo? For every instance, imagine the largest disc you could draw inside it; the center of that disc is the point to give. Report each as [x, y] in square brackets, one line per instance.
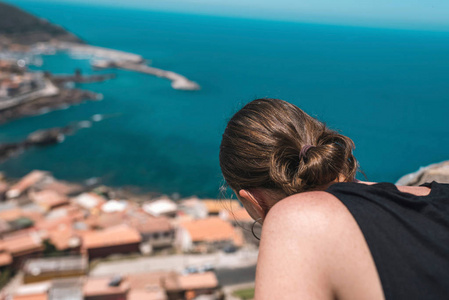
[408, 236]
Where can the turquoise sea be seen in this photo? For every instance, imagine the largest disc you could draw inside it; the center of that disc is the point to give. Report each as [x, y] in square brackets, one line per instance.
[387, 89]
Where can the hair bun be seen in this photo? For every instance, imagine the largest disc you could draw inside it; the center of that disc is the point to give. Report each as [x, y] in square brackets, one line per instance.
[273, 144]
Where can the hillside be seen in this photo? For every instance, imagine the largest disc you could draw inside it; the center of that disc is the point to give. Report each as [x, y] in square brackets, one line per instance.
[20, 27]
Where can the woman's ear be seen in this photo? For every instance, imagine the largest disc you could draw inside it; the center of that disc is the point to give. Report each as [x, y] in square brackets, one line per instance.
[251, 205]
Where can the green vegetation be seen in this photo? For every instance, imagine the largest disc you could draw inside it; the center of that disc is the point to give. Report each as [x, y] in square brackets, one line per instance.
[244, 294]
[5, 275]
[21, 223]
[25, 28]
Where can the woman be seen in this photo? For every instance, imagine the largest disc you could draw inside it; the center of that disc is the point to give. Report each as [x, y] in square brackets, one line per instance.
[326, 235]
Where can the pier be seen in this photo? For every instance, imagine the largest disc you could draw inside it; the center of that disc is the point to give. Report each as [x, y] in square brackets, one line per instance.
[178, 81]
[104, 58]
[88, 50]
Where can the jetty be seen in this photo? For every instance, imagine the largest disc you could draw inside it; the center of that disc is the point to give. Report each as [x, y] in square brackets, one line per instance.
[82, 50]
[104, 58]
[178, 81]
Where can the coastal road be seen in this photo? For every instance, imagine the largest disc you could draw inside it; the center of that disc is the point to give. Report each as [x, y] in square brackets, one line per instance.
[232, 268]
[49, 89]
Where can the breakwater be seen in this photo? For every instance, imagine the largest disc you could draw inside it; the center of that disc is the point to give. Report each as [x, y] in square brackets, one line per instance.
[104, 58]
[178, 81]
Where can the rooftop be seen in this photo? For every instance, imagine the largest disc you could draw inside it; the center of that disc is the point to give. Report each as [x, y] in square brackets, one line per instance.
[11, 214]
[41, 296]
[38, 266]
[112, 236]
[25, 183]
[159, 207]
[147, 224]
[100, 286]
[147, 294]
[48, 198]
[5, 259]
[177, 282]
[211, 229]
[66, 289]
[215, 206]
[21, 243]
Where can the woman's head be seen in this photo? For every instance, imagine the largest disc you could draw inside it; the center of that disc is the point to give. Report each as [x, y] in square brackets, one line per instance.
[261, 148]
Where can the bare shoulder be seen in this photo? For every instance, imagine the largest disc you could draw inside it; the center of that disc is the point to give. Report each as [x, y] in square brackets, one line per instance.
[317, 207]
[317, 251]
[313, 218]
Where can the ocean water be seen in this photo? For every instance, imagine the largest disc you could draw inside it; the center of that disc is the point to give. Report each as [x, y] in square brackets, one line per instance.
[386, 89]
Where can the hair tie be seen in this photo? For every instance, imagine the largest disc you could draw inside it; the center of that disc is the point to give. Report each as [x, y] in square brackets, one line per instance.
[304, 150]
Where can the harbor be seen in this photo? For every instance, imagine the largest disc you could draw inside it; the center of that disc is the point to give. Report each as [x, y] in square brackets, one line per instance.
[105, 58]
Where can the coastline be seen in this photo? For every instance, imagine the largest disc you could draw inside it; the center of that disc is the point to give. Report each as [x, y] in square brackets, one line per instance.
[106, 58]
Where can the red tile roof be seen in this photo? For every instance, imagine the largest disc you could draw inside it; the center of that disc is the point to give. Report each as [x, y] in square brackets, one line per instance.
[11, 214]
[5, 259]
[31, 297]
[158, 294]
[148, 224]
[25, 183]
[99, 286]
[211, 229]
[64, 237]
[178, 282]
[22, 243]
[214, 206]
[112, 236]
[240, 215]
[48, 199]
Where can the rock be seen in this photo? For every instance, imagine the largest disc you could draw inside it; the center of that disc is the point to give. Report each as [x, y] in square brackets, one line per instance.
[438, 172]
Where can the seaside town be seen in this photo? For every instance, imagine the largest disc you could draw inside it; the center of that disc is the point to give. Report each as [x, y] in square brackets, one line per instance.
[61, 240]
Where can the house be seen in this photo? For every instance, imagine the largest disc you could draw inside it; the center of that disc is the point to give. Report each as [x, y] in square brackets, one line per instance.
[106, 220]
[10, 214]
[189, 286]
[157, 232]
[106, 288]
[61, 187]
[207, 234]
[48, 199]
[42, 269]
[237, 216]
[89, 201]
[66, 289]
[39, 296]
[116, 239]
[5, 259]
[22, 245]
[65, 239]
[26, 182]
[113, 206]
[241, 219]
[194, 207]
[147, 286]
[35, 291]
[160, 207]
[5, 227]
[214, 206]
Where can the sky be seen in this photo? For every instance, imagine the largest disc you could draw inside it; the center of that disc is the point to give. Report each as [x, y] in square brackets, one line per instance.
[413, 14]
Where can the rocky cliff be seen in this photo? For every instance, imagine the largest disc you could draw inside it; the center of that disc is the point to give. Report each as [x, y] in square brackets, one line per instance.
[436, 172]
